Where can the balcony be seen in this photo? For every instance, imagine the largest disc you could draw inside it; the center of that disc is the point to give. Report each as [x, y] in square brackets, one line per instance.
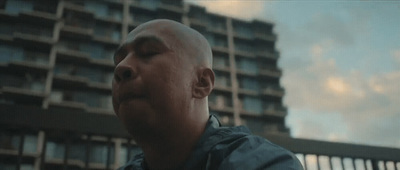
[68, 105]
[79, 10]
[26, 65]
[76, 32]
[270, 72]
[247, 73]
[265, 37]
[171, 8]
[273, 91]
[5, 16]
[34, 41]
[221, 88]
[198, 22]
[145, 5]
[244, 49]
[224, 69]
[72, 56]
[21, 95]
[106, 40]
[248, 92]
[222, 109]
[244, 53]
[267, 55]
[82, 100]
[35, 17]
[243, 36]
[219, 49]
[69, 81]
[217, 30]
[104, 64]
[275, 110]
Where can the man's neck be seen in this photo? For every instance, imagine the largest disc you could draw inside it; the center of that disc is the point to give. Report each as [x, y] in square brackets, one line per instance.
[172, 150]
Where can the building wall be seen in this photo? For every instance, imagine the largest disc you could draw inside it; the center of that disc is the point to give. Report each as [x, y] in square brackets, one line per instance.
[58, 55]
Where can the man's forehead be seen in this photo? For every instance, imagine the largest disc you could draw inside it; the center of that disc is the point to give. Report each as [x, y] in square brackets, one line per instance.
[161, 35]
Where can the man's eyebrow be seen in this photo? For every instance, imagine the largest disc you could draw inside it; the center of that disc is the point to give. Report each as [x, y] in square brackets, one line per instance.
[120, 50]
[138, 42]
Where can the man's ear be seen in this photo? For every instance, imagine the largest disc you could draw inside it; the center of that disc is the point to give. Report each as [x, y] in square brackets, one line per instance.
[205, 83]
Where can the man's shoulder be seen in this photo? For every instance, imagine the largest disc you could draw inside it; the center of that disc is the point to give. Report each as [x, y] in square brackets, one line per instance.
[239, 149]
[135, 163]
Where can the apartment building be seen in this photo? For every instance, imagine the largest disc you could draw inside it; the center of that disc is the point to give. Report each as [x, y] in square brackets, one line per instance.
[56, 71]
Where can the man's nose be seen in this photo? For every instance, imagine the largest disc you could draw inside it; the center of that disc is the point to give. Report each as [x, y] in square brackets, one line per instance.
[123, 71]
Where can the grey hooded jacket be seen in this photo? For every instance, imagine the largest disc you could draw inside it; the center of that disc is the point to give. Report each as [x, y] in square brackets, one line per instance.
[226, 148]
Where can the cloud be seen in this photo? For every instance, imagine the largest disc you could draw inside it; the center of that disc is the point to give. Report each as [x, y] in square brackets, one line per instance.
[247, 10]
[337, 85]
[336, 29]
[396, 56]
[368, 106]
[326, 101]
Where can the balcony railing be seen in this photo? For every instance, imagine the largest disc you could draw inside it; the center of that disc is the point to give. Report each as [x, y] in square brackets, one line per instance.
[338, 155]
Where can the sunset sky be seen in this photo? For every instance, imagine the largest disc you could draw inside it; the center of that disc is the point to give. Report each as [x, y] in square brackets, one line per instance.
[340, 62]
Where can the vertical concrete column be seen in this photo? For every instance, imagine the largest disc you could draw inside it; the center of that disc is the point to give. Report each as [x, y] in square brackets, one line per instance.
[52, 56]
[125, 19]
[40, 151]
[49, 80]
[234, 82]
[117, 150]
[185, 18]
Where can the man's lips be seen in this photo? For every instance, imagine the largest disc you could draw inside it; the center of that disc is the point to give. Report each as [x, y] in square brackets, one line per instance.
[130, 96]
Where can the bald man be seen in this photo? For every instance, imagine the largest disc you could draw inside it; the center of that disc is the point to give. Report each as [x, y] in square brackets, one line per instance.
[162, 78]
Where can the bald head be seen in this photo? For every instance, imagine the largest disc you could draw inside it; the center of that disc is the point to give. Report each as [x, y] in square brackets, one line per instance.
[162, 78]
[188, 41]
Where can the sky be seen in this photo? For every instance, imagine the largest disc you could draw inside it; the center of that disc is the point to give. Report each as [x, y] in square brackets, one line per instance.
[340, 63]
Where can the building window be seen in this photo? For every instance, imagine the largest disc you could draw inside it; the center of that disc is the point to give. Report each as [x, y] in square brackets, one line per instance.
[243, 46]
[98, 8]
[6, 28]
[141, 17]
[74, 20]
[197, 13]
[30, 81]
[150, 4]
[45, 6]
[10, 53]
[252, 104]
[220, 100]
[242, 29]
[220, 61]
[222, 80]
[217, 23]
[103, 10]
[56, 96]
[215, 40]
[248, 65]
[96, 51]
[36, 57]
[107, 31]
[249, 83]
[77, 151]
[91, 99]
[35, 30]
[55, 150]
[98, 153]
[17, 6]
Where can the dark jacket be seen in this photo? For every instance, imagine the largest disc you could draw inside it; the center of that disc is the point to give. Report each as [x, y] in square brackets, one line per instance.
[227, 148]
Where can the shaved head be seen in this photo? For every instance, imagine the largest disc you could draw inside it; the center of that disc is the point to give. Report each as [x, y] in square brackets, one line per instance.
[193, 43]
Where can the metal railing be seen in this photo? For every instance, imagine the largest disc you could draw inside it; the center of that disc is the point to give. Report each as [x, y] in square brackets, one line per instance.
[51, 124]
